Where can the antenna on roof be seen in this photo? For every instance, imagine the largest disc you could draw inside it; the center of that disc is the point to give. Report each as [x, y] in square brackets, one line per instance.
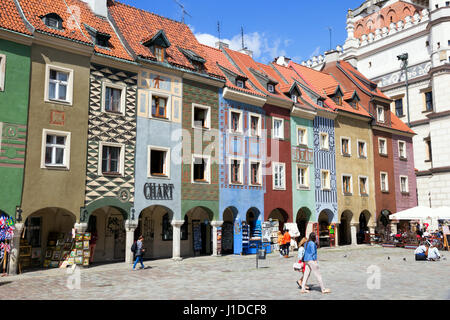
[218, 29]
[242, 35]
[331, 30]
[183, 11]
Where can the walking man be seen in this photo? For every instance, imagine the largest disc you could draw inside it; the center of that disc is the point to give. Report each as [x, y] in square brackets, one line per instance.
[287, 243]
[139, 252]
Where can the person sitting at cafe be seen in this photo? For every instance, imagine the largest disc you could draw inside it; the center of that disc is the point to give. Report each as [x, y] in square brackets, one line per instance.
[433, 253]
[421, 252]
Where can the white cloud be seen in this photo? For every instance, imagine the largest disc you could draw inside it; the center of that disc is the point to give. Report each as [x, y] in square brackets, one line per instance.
[263, 48]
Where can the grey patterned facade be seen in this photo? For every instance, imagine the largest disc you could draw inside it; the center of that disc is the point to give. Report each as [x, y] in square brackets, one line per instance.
[111, 128]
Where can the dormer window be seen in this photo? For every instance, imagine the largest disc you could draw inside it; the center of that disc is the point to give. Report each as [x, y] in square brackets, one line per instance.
[320, 103]
[240, 84]
[271, 88]
[197, 61]
[338, 100]
[294, 98]
[380, 114]
[98, 38]
[159, 53]
[52, 20]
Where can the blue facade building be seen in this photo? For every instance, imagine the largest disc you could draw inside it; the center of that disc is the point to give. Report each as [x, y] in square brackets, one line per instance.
[242, 188]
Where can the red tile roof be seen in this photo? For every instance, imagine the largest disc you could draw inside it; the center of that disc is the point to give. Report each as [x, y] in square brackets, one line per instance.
[73, 24]
[380, 19]
[217, 56]
[327, 84]
[10, 18]
[245, 63]
[137, 24]
[358, 79]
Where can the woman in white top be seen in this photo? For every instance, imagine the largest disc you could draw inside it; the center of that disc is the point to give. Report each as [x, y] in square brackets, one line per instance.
[433, 254]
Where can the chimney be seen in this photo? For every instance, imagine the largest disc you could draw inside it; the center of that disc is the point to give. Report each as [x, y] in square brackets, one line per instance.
[331, 56]
[282, 61]
[247, 52]
[98, 7]
[220, 45]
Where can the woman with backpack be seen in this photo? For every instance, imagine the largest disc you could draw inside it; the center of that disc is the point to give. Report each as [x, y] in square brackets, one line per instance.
[310, 259]
[139, 252]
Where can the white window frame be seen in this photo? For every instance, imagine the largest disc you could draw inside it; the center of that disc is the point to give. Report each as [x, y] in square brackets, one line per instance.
[364, 156]
[349, 146]
[281, 128]
[367, 185]
[241, 170]
[294, 98]
[259, 129]
[121, 157]
[305, 136]
[121, 87]
[378, 115]
[404, 148]
[381, 181]
[208, 116]
[167, 163]
[406, 184]
[306, 185]
[2, 71]
[208, 169]
[328, 186]
[251, 161]
[70, 81]
[327, 141]
[283, 178]
[240, 84]
[169, 105]
[385, 146]
[351, 184]
[241, 121]
[66, 165]
[270, 88]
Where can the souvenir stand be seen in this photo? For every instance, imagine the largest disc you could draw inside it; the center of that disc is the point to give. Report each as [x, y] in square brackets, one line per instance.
[6, 236]
[251, 238]
[76, 251]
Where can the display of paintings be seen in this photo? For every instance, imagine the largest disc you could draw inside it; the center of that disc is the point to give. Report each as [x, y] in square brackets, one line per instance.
[54, 264]
[79, 253]
[68, 246]
[78, 260]
[48, 253]
[56, 255]
[60, 242]
[25, 251]
[46, 263]
[59, 248]
[71, 261]
[73, 253]
[87, 236]
[86, 254]
[85, 261]
[86, 245]
[79, 245]
[79, 237]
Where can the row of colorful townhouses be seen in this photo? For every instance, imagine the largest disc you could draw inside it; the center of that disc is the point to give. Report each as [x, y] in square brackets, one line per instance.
[118, 121]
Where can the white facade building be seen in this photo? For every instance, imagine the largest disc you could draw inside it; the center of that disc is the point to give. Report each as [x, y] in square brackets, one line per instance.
[378, 32]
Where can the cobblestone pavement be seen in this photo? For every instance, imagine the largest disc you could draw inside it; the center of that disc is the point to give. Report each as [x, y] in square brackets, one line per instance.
[344, 271]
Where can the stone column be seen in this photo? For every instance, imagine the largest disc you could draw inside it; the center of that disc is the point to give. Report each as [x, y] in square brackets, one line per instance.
[353, 228]
[130, 227]
[215, 225]
[336, 234]
[176, 242]
[309, 229]
[372, 231]
[15, 249]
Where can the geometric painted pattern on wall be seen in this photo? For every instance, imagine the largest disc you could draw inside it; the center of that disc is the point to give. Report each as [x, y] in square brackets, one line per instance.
[111, 128]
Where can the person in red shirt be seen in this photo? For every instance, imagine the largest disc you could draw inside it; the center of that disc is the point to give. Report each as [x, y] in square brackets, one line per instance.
[287, 243]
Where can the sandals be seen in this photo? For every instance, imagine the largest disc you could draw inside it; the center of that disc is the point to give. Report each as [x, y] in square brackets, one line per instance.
[326, 291]
[300, 286]
[304, 291]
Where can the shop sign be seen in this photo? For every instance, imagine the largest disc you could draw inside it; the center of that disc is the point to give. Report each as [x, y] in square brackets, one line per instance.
[154, 191]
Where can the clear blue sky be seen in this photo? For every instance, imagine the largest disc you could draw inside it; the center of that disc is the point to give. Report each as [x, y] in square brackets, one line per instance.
[295, 28]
